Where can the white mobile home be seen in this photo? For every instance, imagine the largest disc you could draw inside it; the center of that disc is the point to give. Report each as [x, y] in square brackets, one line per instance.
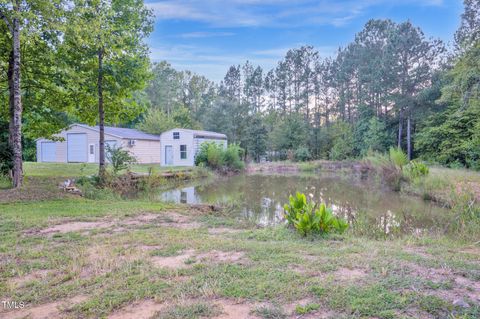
[178, 147]
[79, 144]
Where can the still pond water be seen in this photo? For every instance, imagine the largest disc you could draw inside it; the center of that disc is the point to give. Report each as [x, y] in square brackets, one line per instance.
[260, 199]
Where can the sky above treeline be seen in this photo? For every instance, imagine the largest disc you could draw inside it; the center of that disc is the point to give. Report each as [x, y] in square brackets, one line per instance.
[208, 36]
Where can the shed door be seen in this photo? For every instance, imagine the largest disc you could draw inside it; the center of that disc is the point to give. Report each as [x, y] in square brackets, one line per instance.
[168, 155]
[77, 147]
[48, 152]
[91, 153]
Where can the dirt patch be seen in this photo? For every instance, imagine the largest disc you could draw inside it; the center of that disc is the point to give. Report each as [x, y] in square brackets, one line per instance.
[235, 310]
[433, 274]
[34, 275]
[174, 262]
[470, 251]
[468, 288]
[44, 311]
[75, 227]
[140, 219]
[168, 219]
[462, 286]
[319, 313]
[182, 260]
[350, 273]
[420, 251]
[144, 247]
[176, 220]
[100, 260]
[290, 308]
[222, 256]
[139, 310]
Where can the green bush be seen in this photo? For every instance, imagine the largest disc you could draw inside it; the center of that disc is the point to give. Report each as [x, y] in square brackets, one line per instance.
[342, 141]
[215, 156]
[398, 157]
[232, 157]
[302, 154]
[416, 169]
[119, 158]
[307, 219]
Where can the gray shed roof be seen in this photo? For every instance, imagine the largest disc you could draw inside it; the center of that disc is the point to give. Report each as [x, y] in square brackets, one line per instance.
[200, 133]
[127, 133]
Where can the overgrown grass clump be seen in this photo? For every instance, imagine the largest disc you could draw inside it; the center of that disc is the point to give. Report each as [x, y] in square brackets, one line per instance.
[308, 218]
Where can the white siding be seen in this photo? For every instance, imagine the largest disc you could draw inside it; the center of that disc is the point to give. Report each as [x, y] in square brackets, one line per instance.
[186, 138]
[48, 152]
[76, 147]
[145, 151]
[61, 146]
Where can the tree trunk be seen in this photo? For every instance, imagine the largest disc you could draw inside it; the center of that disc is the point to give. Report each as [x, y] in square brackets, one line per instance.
[16, 119]
[10, 104]
[409, 142]
[101, 119]
[400, 123]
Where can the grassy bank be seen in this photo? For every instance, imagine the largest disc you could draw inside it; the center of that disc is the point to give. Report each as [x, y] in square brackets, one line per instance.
[72, 257]
[42, 180]
[34, 169]
[89, 259]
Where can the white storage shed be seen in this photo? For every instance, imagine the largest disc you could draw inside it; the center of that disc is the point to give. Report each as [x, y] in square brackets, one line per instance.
[178, 147]
[80, 145]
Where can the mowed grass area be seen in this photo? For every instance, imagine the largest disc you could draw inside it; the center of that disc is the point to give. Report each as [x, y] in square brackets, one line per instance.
[71, 257]
[42, 180]
[79, 258]
[34, 169]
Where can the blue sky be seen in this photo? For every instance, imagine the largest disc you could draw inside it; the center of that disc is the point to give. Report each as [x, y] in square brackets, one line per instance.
[207, 36]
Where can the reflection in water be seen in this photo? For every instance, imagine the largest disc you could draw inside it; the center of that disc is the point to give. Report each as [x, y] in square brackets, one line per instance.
[260, 198]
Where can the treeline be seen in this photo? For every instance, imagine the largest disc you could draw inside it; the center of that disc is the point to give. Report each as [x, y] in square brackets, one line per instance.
[68, 60]
[392, 86]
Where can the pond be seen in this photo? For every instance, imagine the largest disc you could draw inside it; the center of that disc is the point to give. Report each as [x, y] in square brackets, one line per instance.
[260, 199]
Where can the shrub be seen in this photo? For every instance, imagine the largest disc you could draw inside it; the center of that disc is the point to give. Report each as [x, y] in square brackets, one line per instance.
[302, 154]
[398, 157]
[416, 169]
[215, 156]
[210, 155]
[307, 219]
[119, 158]
[231, 157]
[389, 166]
[342, 141]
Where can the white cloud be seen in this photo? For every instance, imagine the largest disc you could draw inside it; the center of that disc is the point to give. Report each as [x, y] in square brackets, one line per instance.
[280, 13]
[190, 35]
[214, 63]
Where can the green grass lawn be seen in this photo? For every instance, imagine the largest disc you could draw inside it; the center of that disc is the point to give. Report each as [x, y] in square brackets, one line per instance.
[219, 263]
[74, 257]
[82, 169]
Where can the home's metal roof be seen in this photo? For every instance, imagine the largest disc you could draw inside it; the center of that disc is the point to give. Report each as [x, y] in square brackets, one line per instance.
[127, 133]
[200, 133]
